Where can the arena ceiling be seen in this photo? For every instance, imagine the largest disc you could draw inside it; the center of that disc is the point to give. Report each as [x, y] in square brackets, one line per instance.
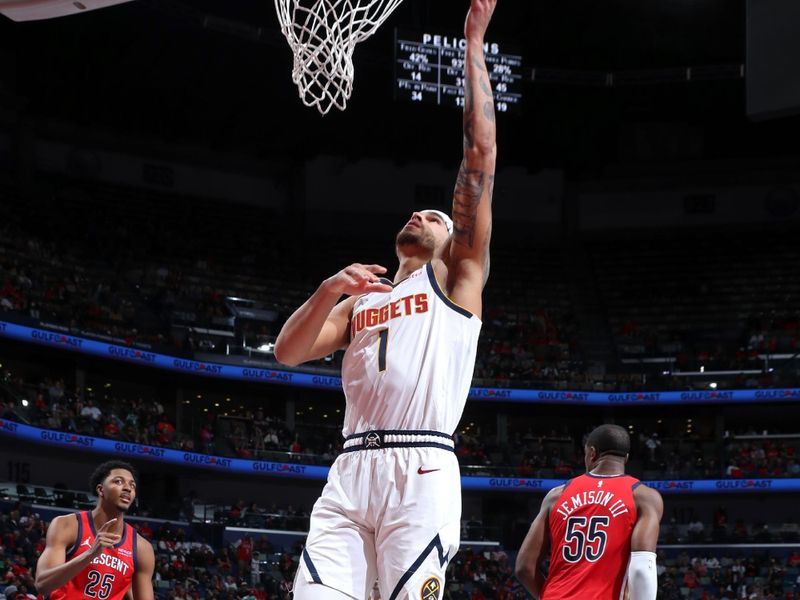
[216, 74]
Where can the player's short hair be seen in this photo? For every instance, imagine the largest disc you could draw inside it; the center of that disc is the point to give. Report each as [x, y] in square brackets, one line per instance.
[103, 471]
[610, 439]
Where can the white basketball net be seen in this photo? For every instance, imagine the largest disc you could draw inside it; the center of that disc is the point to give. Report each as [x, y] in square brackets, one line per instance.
[323, 35]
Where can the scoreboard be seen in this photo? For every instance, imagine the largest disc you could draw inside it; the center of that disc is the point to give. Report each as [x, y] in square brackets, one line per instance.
[429, 68]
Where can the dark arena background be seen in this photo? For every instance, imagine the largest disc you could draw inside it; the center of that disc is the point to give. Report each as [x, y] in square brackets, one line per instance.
[166, 202]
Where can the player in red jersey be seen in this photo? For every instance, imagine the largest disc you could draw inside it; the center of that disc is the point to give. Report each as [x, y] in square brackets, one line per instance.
[601, 530]
[95, 555]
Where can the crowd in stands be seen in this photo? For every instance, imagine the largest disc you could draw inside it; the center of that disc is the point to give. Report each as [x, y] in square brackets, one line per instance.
[747, 455]
[113, 263]
[681, 525]
[190, 567]
[770, 458]
[187, 566]
[250, 514]
[538, 452]
[758, 576]
[22, 539]
[530, 333]
[53, 405]
[483, 575]
[103, 413]
[716, 299]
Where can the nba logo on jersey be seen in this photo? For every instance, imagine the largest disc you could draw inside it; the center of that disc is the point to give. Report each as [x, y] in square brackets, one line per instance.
[430, 589]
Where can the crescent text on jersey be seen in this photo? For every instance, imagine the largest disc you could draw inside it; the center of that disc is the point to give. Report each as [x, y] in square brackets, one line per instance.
[112, 562]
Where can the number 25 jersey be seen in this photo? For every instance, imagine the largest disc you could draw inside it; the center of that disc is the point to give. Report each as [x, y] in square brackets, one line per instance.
[591, 524]
[411, 357]
[110, 573]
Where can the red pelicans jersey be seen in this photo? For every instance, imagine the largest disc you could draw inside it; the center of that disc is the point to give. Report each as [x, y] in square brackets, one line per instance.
[109, 575]
[591, 524]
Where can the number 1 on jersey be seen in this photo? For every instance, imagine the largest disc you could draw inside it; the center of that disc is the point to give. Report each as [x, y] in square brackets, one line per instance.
[383, 342]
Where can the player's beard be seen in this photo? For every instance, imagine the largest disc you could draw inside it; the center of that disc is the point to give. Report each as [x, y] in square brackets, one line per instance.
[421, 239]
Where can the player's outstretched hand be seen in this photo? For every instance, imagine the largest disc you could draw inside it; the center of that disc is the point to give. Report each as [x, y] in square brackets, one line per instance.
[478, 17]
[358, 279]
[104, 538]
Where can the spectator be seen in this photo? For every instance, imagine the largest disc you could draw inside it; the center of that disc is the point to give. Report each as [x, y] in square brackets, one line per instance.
[695, 531]
[91, 412]
[244, 554]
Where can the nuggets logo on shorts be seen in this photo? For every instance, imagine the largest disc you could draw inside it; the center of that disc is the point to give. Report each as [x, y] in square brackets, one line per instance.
[430, 589]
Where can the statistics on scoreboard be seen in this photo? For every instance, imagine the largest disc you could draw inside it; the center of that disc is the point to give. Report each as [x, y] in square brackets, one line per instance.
[429, 68]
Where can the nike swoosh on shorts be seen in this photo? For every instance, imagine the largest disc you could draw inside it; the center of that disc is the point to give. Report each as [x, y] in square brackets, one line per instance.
[422, 471]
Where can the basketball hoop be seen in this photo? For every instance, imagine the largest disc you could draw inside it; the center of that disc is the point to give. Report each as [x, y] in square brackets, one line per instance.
[322, 35]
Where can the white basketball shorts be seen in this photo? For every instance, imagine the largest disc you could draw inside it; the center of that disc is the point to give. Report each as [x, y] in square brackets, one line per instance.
[388, 512]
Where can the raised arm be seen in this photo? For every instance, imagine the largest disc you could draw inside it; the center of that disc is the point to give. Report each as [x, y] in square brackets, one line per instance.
[472, 198]
[321, 326]
[536, 546]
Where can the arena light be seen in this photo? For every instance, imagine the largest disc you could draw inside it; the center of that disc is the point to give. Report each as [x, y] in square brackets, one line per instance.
[37, 10]
[713, 385]
[703, 373]
[24, 403]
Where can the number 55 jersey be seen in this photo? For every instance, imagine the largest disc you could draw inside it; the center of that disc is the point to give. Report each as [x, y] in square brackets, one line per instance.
[591, 524]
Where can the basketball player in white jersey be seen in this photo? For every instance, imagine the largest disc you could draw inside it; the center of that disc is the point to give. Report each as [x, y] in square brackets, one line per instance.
[392, 506]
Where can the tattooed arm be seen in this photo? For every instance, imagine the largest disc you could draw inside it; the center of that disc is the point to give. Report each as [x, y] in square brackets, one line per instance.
[467, 255]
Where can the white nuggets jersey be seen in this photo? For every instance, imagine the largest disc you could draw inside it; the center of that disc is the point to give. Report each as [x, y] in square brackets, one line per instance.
[411, 357]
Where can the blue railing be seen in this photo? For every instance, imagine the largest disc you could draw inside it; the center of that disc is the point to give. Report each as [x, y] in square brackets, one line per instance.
[309, 380]
[129, 450]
